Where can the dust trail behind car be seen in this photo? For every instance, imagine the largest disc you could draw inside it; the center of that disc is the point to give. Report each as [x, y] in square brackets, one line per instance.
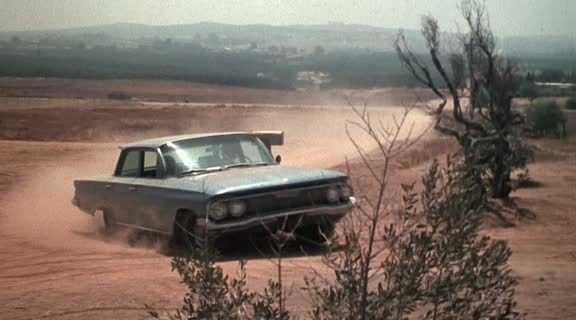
[315, 137]
[48, 246]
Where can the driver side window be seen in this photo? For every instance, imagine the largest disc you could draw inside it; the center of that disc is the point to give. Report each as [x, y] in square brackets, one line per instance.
[150, 164]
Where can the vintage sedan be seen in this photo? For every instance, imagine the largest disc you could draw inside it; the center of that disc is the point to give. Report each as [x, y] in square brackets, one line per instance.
[205, 185]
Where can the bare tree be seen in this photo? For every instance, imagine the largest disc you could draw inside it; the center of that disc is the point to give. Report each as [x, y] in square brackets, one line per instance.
[349, 297]
[480, 85]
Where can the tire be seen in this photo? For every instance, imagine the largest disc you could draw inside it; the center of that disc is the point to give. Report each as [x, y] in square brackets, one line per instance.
[183, 235]
[106, 221]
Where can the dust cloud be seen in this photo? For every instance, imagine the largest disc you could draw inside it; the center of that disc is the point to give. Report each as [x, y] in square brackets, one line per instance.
[40, 210]
[54, 261]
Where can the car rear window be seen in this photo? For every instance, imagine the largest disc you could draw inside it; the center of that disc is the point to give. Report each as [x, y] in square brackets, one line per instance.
[130, 165]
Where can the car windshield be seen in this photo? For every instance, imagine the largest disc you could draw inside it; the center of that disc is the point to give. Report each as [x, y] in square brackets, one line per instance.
[216, 152]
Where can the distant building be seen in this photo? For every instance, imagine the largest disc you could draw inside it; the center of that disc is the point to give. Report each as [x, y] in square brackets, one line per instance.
[559, 85]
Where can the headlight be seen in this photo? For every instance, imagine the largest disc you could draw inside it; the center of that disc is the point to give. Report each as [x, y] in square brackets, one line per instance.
[237, 208]
[218, 211]
[332, 195]
[345, 193]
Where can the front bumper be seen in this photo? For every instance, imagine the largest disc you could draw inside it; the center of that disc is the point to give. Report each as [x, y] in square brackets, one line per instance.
[333, 213]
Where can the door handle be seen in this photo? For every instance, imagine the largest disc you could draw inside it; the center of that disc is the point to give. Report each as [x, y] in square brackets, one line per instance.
[108, 186]
[132, 188]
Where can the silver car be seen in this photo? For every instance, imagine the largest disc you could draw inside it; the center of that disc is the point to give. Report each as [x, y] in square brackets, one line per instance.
[205, 185]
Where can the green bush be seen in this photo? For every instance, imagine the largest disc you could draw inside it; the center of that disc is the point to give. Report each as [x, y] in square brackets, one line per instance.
[212, 294]
[529, 90]
[571, 104]
[546, 119]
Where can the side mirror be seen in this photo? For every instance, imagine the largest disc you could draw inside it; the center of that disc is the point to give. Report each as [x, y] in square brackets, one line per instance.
[278, 159]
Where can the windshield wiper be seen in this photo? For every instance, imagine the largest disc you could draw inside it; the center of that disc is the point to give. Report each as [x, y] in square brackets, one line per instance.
[240, 165]
[214, 169]
[199, 171]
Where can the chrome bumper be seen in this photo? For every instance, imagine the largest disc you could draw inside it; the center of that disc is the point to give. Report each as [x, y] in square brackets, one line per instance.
[204, 225]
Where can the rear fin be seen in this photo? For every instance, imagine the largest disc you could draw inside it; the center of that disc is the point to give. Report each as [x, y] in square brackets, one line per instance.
[270, 138]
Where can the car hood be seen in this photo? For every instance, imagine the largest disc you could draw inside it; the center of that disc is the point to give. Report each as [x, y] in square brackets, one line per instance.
[257, 178]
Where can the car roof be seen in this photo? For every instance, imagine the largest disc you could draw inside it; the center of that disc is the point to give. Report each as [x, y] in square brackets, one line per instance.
[158, 142]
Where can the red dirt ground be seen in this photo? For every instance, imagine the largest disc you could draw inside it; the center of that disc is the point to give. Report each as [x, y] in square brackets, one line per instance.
[54, 265]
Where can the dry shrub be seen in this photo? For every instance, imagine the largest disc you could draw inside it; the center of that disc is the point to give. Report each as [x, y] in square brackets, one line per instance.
[433, 263]
[430, 262]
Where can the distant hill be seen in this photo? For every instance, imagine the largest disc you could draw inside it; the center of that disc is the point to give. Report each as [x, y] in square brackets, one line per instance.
[260, 56]
[333, 36]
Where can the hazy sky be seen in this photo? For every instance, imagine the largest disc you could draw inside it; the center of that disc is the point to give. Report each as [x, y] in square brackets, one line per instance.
[508, 17]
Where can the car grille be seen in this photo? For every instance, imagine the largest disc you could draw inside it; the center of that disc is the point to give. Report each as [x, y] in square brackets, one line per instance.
[284, 200]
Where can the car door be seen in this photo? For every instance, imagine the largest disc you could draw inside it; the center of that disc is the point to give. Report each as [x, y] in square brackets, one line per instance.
[122, 187]
[139, 195]
[148, 193]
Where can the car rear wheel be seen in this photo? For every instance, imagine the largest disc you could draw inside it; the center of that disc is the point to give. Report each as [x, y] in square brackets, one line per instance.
[105, 221]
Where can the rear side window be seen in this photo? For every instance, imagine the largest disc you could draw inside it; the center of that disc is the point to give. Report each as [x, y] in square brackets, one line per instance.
[131, 164]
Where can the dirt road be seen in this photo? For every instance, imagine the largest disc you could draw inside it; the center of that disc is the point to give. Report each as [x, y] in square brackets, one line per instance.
[54, 264]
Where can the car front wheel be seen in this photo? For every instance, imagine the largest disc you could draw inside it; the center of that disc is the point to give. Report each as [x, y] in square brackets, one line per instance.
[184, 236]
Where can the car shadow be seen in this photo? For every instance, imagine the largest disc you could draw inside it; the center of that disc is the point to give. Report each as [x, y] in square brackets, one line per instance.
[246, 246]
[242, 246]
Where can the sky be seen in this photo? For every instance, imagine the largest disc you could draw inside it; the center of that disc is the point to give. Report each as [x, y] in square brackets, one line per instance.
[508, 17]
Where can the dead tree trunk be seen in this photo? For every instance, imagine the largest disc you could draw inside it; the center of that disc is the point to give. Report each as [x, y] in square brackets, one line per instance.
[480, 84]
[501, 181]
